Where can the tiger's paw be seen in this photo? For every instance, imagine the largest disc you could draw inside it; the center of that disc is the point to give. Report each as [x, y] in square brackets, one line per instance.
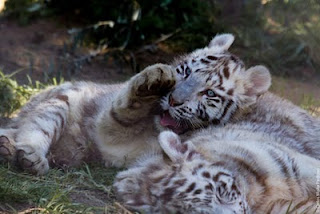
[31, 161]
[154, 81]
[127, 185]
[7, 150]
[132, 191]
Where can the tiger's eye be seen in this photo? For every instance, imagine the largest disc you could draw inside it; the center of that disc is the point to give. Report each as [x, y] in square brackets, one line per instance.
[210, 93]
[188, 71]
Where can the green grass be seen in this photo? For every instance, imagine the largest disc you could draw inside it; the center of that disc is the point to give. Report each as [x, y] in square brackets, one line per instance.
[13, 95]
[82, 190]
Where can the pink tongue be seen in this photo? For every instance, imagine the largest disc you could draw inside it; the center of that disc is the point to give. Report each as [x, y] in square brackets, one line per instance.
[168, 121]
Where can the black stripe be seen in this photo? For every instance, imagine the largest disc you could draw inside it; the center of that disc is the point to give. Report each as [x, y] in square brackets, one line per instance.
[243, 166]
[205, 61]
[222, 98]
[183, 110]
[214, 99]
[217, 176]
[220, 79]
[226, 72]
[226, 108]
[211, 104]
[214, 58]
[191, 187]
[61, 118]
[283, 167]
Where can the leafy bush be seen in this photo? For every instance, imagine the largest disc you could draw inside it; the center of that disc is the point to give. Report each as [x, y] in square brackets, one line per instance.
[124, 23]
[26, 10]
[130, 23]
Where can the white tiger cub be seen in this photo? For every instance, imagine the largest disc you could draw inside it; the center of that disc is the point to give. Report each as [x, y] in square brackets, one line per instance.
[238, 171]
[65, 124]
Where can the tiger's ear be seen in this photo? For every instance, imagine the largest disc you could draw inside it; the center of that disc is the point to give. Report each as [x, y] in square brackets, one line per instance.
[171, 145]
[221, 42]
[175, 149]
[259, 80]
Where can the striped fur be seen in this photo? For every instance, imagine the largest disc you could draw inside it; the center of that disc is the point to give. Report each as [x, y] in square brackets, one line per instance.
[232, 87]
[240, 172]
[76, 122]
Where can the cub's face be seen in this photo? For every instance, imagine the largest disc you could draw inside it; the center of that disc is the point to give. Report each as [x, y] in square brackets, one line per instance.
[186, 183]
[211, 85]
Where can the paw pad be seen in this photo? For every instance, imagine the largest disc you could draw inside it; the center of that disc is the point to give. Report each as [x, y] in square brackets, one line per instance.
[7, 150]
[24, 163]
[31, 161]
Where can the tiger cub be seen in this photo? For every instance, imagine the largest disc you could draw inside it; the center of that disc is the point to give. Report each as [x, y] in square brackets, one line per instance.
[70, 123]
[239, 171]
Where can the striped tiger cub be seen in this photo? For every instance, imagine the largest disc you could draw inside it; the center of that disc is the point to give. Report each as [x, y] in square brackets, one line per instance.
[75, 122]
[238, 171]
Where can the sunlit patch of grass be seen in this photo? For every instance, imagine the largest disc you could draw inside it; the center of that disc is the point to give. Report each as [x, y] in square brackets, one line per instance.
[311, 105]
[303, 94]
[2, 5]
[13, 95]
[83, 190]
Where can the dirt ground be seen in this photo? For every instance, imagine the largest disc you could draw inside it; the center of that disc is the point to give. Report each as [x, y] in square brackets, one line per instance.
[41, 49]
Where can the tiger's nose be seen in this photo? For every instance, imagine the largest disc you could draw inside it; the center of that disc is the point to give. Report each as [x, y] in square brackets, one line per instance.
[173, 102]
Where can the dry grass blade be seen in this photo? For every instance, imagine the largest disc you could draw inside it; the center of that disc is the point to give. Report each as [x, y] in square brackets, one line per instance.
[121, 209]
[33, 210]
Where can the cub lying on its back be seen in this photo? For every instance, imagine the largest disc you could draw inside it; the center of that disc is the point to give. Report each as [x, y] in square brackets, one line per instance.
[227, 175]
[209, 86]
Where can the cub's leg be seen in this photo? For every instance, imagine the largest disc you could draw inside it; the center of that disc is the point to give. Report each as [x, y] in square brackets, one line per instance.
[34, 133]
[142, 92]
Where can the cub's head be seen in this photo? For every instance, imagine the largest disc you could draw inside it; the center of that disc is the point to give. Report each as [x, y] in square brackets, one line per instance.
[212, 84]
[186, 182]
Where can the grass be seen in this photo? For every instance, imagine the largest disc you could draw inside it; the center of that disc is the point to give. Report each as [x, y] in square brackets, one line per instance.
[13, 95]
[312, 105]
[301, 93]
[82, 190]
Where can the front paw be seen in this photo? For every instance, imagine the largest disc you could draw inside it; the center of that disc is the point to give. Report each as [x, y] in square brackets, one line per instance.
[133, 192]
[155, 80]
[32, 161]
[126, 185]
[7, 150]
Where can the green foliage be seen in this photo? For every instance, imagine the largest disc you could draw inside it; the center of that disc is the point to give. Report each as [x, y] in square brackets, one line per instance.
[300, 21]
[126, 23]
[310, 104]
[282, 34]
[133, 23]
[13, 95]
[26, 10]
